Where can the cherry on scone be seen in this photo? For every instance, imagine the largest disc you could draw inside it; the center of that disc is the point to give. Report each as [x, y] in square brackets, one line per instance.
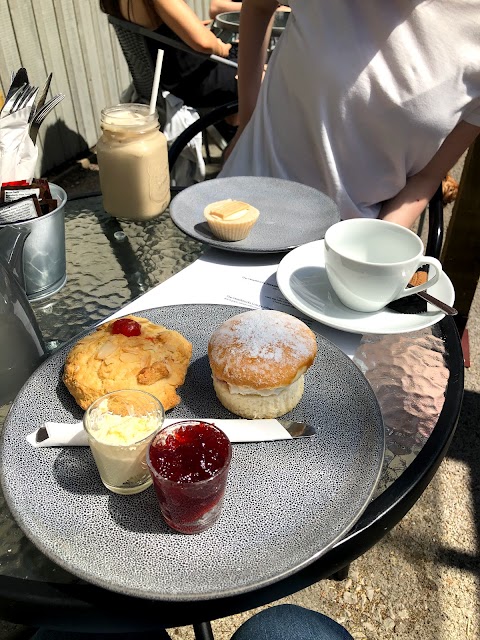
[126, 327]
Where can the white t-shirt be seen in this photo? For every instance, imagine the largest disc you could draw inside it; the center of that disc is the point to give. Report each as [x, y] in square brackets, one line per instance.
[360, 94]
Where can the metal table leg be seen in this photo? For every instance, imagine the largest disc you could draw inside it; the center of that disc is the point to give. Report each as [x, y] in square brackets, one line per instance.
[203, 631]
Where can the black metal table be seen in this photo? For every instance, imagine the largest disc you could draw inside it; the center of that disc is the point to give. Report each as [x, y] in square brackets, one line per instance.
[417, 377]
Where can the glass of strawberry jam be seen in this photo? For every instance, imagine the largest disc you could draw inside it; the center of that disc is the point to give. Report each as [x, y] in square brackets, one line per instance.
[189, 462]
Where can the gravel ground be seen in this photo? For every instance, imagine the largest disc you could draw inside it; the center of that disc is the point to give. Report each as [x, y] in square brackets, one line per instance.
[423, 579]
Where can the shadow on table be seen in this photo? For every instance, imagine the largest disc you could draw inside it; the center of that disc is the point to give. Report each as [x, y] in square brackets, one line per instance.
[138, 280]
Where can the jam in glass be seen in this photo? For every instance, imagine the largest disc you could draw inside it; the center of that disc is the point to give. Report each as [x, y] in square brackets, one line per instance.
[189, 462]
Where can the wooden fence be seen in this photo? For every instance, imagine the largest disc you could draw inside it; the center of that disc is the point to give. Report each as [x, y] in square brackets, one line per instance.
[72, 39]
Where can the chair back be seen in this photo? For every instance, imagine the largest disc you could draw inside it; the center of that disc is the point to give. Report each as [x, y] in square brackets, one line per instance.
[140, 64]
[435, 224]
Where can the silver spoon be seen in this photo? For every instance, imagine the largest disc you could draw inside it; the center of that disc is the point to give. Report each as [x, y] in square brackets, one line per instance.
[447, 309]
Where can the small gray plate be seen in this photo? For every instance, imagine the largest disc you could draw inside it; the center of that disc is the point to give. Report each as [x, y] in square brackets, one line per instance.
[290, 213]
[286, 503]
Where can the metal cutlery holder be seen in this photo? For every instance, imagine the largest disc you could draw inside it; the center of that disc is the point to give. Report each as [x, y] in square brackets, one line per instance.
[44, 255]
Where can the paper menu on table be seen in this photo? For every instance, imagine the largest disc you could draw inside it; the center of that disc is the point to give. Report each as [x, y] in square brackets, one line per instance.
[208, 280]
[217, 278]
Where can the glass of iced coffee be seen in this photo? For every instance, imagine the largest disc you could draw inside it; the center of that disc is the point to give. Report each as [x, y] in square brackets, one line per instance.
[120, 426]
[133, 163]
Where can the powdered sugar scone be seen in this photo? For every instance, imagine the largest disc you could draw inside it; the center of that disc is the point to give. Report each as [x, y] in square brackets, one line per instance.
[230, 219]
[258, 360]
[128, 353]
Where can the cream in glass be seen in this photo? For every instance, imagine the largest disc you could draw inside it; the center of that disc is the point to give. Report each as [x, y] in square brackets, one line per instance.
[120, 426]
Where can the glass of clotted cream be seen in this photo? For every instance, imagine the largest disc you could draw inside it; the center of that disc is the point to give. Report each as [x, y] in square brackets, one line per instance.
[120, 426]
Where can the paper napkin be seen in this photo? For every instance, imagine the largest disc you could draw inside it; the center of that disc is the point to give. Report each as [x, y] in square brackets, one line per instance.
[18, 154]
[57, 434]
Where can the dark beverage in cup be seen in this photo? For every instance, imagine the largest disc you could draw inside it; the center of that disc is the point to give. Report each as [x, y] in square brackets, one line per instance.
[189, 462]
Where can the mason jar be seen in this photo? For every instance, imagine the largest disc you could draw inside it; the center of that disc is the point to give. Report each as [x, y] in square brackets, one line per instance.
[133, 163]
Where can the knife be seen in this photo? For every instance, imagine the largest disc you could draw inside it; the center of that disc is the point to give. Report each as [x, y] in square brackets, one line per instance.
[41, 98]
[298, 429]
[55, 434]
[19, 79]
[239, 430]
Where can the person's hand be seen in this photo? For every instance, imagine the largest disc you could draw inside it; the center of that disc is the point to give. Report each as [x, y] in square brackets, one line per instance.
[223, 49]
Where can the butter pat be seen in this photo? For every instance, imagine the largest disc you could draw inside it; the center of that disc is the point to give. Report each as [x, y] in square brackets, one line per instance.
[230, 219]
[228, 209]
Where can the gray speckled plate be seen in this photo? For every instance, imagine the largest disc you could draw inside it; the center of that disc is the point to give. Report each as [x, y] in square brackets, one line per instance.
[286, 503]
[290, 213]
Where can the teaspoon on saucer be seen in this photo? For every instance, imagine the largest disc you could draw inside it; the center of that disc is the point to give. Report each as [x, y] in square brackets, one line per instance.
[447, 309]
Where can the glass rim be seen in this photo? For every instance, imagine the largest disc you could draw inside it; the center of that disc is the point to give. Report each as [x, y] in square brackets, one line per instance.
[150, 120]
[96, 402]
[332, 242]
[198, 482]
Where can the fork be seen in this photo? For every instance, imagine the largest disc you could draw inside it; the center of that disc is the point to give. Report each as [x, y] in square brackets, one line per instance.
[8, 106]
[43, 113]
[24, 98]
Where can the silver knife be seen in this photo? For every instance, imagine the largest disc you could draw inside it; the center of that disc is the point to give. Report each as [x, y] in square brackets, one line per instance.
[41, 98]
[242, 430]
[60, 434]
[298, 429]
[19, 79]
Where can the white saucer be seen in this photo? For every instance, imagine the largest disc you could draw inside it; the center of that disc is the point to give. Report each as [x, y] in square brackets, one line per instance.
[302, 279]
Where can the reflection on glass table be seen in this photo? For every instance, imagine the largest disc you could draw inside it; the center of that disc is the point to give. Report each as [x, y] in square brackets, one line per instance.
[109, 263]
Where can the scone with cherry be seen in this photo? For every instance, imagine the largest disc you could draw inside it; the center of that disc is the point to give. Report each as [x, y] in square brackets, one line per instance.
[128, 353]
[230, 219]
[258, 361]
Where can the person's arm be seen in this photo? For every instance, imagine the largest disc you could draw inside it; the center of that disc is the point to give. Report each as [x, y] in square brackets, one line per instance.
[255, 19]
[408, 204]
[255, 27]
[222, 6]
[183, 21]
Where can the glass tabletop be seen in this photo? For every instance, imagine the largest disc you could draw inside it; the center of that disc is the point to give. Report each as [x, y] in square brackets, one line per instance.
[112, 262]
[109, 262]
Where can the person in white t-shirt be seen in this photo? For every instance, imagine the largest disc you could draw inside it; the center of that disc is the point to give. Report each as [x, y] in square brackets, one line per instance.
[371, 102]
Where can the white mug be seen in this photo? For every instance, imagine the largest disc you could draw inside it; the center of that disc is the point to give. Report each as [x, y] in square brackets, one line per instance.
[369, 262]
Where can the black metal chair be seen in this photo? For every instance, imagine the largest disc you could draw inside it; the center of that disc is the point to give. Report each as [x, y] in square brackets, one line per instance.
[139, 61]
[435, 224]
[133, 42]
